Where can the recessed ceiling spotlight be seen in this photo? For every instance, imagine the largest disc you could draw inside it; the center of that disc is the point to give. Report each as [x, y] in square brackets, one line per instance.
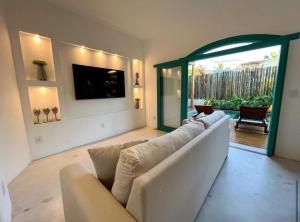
[82, 48]
[100, 53]
[37, 39]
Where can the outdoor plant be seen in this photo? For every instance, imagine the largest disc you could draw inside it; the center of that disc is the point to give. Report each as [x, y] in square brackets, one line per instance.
[236, 102]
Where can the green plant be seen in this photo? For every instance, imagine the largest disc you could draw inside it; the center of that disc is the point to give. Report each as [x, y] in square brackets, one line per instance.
[236, 102]
[39, 62]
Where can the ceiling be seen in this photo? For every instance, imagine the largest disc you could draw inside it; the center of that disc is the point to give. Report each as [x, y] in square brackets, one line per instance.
[148, 19]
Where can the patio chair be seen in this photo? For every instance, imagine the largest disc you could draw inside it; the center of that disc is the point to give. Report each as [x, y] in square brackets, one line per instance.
[254, 116]
[204, 109]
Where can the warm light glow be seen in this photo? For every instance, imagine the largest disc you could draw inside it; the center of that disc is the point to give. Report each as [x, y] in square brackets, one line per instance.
[37, 39]
[135, 62]
[82, 49]
[42, 90]
[115, 56]
[136, 93]
[100, 53]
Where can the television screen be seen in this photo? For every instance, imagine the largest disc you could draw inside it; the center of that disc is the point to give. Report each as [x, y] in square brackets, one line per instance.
[94, 83]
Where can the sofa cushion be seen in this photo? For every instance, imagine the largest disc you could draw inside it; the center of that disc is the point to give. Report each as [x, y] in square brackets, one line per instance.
[137, 160]
[208, 120]
[105, 161]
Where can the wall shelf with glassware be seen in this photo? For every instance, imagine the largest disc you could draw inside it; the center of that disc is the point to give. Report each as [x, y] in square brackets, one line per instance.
[40, 80]
[138, 80]
[44, 104]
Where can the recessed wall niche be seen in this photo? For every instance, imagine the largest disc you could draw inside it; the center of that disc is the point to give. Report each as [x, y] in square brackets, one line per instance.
[138, 89]
[44, 104]
[36, 52]
[137, 71]
[138, 96]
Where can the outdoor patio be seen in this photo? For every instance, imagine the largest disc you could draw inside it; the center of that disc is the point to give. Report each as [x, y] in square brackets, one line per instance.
[247, 135]
[228, 87]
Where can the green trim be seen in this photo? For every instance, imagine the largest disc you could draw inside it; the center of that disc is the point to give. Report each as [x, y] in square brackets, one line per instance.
[184, 90]
[232, 40]
[253, 46]
[259, 41]
[278, 92]
[168, 64]
[160, 112]
[159, 102]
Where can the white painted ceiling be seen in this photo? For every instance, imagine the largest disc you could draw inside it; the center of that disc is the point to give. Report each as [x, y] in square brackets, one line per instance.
[148, 19]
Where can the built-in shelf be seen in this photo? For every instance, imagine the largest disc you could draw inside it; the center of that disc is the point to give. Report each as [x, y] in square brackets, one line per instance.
[138, 86]
[138, 89]
[41, 83]
[37, 48]
[43, 99]
[40, 79]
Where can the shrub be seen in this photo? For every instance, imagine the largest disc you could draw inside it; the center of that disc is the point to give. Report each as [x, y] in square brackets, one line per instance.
[236, 102]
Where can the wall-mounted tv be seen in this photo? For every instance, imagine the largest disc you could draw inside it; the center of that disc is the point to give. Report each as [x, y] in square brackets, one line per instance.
[96, 83]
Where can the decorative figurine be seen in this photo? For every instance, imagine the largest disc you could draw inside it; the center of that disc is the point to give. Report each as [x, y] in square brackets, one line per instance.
[55, 111]
[137, 103]
[37, 113]
[137, 76]
[46, 111]
[42, 76]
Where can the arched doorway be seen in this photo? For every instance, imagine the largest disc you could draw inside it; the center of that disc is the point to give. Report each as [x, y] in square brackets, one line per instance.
[172, 78]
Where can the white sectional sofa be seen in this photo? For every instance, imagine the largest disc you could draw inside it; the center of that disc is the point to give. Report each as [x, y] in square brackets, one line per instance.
[172, 191]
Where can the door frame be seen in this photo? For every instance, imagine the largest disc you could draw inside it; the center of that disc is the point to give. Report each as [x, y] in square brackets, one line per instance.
[257, 41]
[183, 111]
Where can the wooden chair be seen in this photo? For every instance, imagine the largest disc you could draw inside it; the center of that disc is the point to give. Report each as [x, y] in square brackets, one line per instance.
[204, 109]
[254, 116]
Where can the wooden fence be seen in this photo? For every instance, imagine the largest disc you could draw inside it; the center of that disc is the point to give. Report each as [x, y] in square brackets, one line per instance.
[239, 82]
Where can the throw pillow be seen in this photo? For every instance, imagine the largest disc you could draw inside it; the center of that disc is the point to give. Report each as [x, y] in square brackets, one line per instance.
[105, 161]
[208, 120]
[137, 160]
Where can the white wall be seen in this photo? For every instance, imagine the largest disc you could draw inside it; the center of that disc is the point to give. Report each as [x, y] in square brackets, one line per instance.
[82, 121]
[288, 140]
[221, 22]
[14, 152]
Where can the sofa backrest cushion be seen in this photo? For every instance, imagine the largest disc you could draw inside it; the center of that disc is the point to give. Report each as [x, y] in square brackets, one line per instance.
[175, 189]
[105, 161]
[137, 160]
[208, 120]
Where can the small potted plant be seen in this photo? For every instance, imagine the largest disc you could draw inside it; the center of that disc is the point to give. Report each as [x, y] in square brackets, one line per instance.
[42, 76]
[137, 77]
[137, 103]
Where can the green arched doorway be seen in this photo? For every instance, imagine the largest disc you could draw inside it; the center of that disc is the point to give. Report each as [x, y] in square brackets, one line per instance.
[172, 78]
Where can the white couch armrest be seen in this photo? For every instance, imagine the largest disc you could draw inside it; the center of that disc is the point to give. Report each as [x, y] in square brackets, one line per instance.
[86, 199]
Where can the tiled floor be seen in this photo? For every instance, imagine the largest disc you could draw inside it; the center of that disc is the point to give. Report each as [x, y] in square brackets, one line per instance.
[35, 193]
[253, 188]
[249, 188]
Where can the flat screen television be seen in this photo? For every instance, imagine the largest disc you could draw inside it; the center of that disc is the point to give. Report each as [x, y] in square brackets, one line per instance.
[96, 83]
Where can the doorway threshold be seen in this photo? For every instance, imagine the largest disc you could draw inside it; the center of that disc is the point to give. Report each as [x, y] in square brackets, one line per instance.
[253, 149]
